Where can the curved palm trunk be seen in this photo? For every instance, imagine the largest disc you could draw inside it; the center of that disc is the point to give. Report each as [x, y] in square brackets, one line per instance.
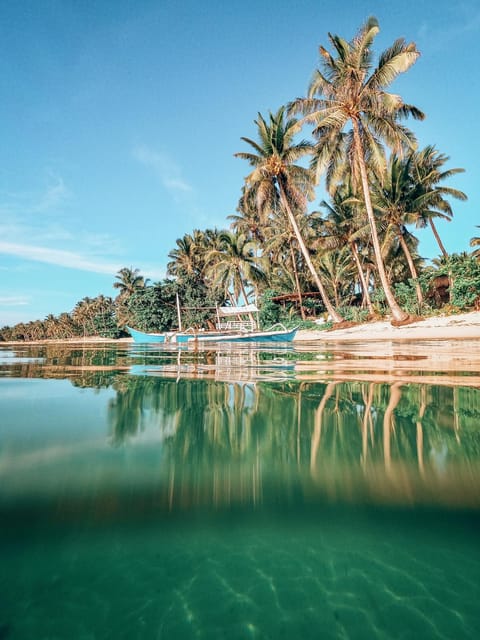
[244, 294]
[398, 314]
[297, 281]
[437, 238]
[361, 275]
[306, 254]
[411, 266]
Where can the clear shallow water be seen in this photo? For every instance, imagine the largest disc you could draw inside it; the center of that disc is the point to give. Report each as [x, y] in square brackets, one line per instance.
[163, 494]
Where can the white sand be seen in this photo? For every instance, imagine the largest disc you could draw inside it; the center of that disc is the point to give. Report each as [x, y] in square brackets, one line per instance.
[461, 326]
[464, 326]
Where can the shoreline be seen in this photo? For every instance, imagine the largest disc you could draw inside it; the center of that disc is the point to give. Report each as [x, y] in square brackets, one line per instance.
[463, 326]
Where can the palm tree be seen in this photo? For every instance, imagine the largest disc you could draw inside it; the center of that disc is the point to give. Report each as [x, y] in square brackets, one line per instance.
[248, 220]
[475, 242]
[338, 271]
[347, 92]
[427, 173]
[188, 258]
[396, 199]
[234, 265]
[277, 179]
[346, 225]
[281, 249]
[82, 315]
[129, 280]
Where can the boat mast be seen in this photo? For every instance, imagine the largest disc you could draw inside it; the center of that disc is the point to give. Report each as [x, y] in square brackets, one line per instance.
[179, 313]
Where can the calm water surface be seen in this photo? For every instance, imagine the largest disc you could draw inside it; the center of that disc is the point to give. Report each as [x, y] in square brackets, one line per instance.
[286, 492]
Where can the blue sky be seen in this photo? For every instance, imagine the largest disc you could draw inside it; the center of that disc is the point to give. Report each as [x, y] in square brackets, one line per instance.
[120, 120]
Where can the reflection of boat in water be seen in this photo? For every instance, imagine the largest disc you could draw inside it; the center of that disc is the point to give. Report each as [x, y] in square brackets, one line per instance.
[274, 334]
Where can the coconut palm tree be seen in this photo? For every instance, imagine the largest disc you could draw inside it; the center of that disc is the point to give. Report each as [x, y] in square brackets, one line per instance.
[188, 258]
[475, 242]
[348, 93]
[234, 265]
[281, 249]
[277, 180]
[248, 220]
[338, 271]
[129, 280]
[395, 198]
[430, 197]
[82, 315]
[346, 225]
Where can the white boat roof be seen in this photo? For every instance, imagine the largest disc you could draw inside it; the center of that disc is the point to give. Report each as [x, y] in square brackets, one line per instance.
[235, 311]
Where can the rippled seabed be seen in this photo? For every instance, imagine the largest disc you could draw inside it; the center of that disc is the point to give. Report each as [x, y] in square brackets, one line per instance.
[290, 575]
[92, 546]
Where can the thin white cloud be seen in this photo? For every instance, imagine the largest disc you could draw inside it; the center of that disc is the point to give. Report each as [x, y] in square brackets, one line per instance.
[467, 21]
[72, 260]
[165, 169]
[54, 195]
[153, 273]
[13, 301]
[59, 257]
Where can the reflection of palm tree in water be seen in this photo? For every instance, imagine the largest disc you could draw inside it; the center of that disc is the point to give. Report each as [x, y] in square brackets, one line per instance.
[318, 421]
[202, 424]
[421, 413]
[389, 422]
[367, 422]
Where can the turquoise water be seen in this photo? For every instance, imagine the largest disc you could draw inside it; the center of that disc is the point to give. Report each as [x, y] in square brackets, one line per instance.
[226, 494]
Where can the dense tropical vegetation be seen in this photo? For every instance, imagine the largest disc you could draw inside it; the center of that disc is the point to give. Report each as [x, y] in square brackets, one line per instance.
[356, 257]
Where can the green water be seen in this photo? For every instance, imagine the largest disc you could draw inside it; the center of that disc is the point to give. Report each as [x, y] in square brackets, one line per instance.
[243, 493]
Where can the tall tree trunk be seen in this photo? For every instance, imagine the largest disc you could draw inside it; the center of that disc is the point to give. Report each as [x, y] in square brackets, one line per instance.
[411, 266]
[244, 294]
[363, 280]
[297, 281]
[437, 238]
[398, 314]
[306, 254]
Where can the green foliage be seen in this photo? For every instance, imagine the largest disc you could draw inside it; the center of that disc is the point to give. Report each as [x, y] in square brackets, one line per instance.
[379, 301]
[270, 312]
[465, 275]
[313, 306]
[106, 326]
[154, 308]
[463, 270]
[354, 314]
[406, 296]
[201, 299]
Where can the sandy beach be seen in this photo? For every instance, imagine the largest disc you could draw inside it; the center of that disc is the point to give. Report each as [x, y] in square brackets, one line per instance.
[418, 352]
[465, 326]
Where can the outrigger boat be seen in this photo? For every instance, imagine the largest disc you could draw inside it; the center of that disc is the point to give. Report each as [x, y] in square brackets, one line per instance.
[272, 335]
[242, 329]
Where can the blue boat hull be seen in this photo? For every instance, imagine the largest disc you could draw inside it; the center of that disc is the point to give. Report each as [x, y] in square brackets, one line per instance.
[257, 336]
[146, 338]
[260, 336]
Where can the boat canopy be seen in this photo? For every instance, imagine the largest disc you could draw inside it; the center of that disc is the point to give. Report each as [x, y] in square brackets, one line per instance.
[236, 311]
